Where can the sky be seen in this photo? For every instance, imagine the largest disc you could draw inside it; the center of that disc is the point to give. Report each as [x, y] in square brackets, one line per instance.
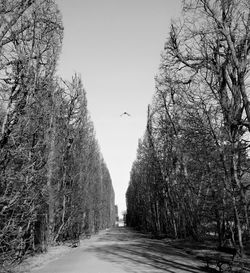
[115, 45]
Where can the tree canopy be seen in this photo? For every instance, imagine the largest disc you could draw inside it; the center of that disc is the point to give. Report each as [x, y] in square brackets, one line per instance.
[191, 175]
[54, 183]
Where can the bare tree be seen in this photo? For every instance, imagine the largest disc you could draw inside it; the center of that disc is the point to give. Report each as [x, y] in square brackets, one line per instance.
[199, 125]
[212, 47]
[30, 43]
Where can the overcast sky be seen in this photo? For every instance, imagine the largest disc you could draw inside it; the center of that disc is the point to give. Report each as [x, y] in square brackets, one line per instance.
[115, 45]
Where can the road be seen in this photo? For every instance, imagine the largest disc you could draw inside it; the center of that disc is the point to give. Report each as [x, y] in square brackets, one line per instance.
[121, 250]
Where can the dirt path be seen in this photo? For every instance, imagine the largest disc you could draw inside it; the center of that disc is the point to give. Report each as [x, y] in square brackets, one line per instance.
[121, 250]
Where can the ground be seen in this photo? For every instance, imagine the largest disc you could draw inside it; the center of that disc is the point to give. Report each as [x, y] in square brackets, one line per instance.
[117, 250]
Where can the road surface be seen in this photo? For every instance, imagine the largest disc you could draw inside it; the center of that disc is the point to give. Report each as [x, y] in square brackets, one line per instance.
[121, 250]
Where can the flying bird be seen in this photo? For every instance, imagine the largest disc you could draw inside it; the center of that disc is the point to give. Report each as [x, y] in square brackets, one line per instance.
[125, 113]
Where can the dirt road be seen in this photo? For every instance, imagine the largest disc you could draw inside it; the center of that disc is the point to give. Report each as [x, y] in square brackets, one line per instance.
[121, 250]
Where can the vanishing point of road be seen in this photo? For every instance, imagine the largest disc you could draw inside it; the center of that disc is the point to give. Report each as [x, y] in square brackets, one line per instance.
[122, 250]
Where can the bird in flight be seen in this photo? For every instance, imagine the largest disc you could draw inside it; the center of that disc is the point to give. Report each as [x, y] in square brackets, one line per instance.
[125, 113]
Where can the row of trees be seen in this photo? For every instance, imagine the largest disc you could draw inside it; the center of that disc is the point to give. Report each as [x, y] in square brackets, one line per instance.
[54, 183]
[191, 176]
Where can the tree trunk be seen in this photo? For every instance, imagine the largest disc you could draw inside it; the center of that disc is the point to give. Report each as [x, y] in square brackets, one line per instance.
[238, 227]
[50, 167]
[158, 225]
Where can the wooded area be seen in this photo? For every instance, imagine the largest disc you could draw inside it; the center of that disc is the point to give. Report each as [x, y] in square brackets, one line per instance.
[54, 183]
[191, 175]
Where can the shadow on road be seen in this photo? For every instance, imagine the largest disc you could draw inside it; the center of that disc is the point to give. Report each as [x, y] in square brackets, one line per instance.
[136, 252]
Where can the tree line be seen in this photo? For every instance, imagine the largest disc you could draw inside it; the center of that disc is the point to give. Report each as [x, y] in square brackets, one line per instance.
[54, 183]
[191, 175]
